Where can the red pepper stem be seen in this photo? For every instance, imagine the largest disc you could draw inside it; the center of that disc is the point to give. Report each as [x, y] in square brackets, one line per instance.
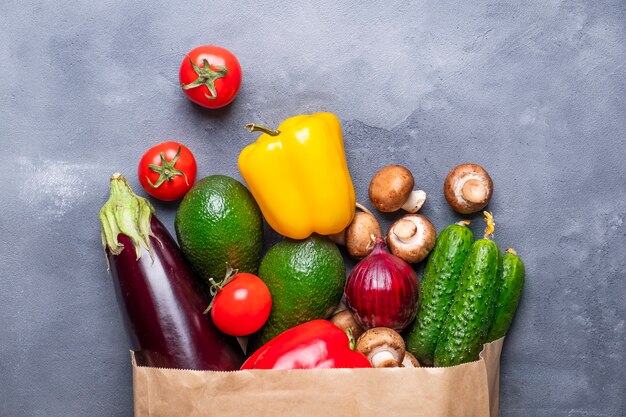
[253, 127]
[350, 338]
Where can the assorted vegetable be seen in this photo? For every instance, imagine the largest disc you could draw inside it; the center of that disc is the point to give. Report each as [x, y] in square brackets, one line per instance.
[155, 289]
[382, 290]
[299, 181]
[299, 176]
[167, 171]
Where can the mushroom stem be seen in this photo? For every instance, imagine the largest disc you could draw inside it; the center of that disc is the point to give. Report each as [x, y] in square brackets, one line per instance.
[474, 191]
[415, 201]
[363, 208]
[383, 359]
[410, 361]
[405, 229]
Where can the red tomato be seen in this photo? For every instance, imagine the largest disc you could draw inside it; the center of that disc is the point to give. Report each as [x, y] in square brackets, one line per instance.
[167, 171]
[210, 76]
[241, 306]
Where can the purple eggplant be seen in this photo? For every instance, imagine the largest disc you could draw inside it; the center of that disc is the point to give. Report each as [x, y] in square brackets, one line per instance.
[156, 289]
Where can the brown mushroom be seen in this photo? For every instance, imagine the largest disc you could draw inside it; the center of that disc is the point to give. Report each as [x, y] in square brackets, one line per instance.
[411, 238]
[382, 346]
[357, 237]
[345, 320]
[468, 188]
[409, 361]
[391, 189]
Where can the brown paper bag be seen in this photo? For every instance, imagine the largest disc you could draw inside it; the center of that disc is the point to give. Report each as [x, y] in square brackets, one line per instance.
[467, 390]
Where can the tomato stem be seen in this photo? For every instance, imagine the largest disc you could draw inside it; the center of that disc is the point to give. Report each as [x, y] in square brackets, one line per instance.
[206, 77]
[217, 286]
[166, 170]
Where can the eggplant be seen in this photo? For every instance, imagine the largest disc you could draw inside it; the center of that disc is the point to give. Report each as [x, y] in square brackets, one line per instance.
[157, 291]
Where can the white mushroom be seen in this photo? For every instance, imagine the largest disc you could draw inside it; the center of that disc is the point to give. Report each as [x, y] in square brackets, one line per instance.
[411, 238]
[391, 189]
[468, 188]
[382, 346]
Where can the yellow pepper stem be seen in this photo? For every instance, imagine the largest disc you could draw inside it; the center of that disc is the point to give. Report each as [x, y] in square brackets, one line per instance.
[253, 127]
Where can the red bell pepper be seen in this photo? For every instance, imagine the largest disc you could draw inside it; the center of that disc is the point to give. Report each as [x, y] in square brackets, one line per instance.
[312, 345]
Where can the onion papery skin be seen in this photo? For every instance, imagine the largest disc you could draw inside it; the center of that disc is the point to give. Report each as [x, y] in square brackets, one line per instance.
[382, 290]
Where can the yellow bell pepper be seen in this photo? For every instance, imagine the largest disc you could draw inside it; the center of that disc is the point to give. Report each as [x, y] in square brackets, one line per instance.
[299, 176]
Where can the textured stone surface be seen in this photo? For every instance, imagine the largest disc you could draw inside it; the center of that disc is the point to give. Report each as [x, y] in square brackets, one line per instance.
[533, 92]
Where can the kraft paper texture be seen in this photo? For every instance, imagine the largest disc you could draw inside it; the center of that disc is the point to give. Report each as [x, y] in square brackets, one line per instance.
[467, 390]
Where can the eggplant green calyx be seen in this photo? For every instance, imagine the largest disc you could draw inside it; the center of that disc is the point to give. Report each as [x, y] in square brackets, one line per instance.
[206, 76]
[166, 170]
[128, 214]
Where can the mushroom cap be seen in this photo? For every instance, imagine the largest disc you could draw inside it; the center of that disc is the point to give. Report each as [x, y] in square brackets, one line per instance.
[390, 188]
[411, 238]
[381, 339]
[359, 234]
[410, 361]
[345, 320]
[468, 188]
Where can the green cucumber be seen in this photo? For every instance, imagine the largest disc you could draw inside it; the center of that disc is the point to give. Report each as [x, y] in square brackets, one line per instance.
[510, 292]
[471, 313]
[437, 290]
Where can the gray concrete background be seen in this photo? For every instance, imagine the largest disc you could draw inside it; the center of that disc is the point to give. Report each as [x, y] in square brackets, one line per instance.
[534, 92]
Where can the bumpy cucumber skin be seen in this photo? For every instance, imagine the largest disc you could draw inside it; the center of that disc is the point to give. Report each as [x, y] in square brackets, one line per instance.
[471, 313]
[511, 285]
[439, 283]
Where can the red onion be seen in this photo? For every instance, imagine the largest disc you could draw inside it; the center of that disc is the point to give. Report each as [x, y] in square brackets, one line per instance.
[382, 290]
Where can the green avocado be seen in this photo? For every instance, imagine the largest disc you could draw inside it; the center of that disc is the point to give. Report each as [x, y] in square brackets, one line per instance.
[218, 222]
[306, 280]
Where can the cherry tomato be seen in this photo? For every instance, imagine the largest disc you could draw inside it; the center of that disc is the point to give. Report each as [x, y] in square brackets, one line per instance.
[242, 305]
[210, 76]
[167, 171]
